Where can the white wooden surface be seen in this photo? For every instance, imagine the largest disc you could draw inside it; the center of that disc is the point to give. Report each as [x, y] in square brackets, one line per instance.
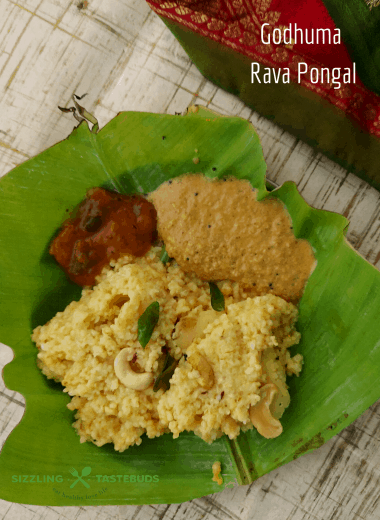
[124, 57]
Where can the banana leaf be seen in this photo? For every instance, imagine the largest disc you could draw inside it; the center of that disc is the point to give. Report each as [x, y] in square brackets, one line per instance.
[42, 461]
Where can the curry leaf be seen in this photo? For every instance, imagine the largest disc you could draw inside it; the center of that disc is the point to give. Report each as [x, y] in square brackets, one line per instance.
[146, 323]
[163, 378]
[164, 257]
[217, 298]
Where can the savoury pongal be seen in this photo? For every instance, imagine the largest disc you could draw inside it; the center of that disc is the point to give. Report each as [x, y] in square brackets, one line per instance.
[221, 355]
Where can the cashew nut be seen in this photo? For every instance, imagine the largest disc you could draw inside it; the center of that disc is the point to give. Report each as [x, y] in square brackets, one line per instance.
[186, 331]
[261, 416]
[127, 376]
[200, 363]
[192, 327]
[275, 374]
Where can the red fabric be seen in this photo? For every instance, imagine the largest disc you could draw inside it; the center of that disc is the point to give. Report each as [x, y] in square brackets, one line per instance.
[237, 24]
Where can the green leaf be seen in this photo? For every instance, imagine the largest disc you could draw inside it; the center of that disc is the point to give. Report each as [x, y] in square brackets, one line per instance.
[163, 378]
[164, 257]
[146, 323]
[338, 315]
[217, 298]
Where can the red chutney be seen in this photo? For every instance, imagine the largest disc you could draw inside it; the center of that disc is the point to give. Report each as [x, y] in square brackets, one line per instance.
[105, 225]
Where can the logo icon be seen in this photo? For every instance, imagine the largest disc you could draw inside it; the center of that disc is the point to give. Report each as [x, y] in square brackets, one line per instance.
[85, 471]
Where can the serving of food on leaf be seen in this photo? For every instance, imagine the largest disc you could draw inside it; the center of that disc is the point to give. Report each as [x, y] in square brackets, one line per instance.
[197, 307]
[187, 314]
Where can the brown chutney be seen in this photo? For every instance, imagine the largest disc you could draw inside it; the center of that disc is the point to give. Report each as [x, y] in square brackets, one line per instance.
[218, 230]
